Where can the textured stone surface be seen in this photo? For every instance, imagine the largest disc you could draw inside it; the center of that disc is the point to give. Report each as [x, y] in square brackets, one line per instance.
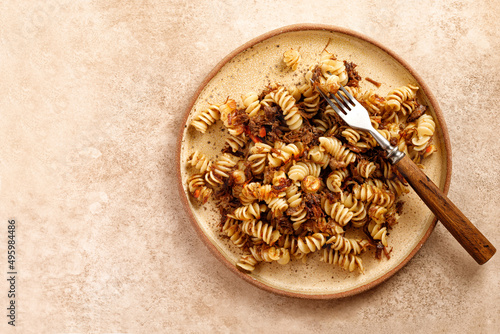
[91, 97]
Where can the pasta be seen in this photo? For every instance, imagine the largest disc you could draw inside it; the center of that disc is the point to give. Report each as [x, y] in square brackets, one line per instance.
[200, 162]
[294, 181]
[205, 118]
[292, 58]
[287, 103]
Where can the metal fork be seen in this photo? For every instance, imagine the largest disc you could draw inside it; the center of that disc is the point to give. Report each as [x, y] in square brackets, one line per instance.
[356, 116]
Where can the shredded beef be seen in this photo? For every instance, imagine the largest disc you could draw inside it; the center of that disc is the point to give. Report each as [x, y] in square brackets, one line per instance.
[353, 75]
[226, 202]
[313, 205]
[416, 113]
[376, 83]
[306, 134]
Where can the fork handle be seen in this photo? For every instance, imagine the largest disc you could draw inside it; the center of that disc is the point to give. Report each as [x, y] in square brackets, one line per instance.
[450, 216]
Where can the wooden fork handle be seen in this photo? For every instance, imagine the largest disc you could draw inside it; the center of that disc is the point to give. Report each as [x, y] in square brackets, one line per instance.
[450, 216]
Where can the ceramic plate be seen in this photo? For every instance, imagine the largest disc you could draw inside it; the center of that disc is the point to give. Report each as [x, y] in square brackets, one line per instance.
[252, 67]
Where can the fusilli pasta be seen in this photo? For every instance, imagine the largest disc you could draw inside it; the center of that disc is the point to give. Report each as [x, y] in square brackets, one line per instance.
[299, 181]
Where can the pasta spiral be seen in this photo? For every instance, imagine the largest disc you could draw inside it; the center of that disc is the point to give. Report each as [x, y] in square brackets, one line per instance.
[251, 103]
[205, 118]
[226, 111]
[294, 179]
[425, 130]
[347, 245]
[246, 212]
[347, 262]
[371, 194]
[358, 210]
[200, 162]
[197, 188]
[258, 157]
[232, 229]
[378, 232]
[292, 58]
[269, 254]
[236, 142]
[299, 214]
[260, 230]
[397, 187]
[311, 97]
[335, 179]
[399, 96]
[330, 66]
[366, 168]
[221, 169]
[318, 156]
[351, 135]
[311, 243]
[247, 262]
[334, 147]
[302, 169]
[338, 212]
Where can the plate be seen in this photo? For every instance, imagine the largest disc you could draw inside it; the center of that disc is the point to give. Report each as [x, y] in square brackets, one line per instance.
[253, 66]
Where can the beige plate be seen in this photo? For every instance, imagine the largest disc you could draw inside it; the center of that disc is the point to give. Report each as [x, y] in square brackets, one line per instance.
[253, 66]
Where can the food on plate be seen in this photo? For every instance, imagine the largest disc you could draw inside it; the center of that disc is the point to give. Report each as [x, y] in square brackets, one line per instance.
[294, 179]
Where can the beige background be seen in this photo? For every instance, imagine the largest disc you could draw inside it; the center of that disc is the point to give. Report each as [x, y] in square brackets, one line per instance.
[92, 94]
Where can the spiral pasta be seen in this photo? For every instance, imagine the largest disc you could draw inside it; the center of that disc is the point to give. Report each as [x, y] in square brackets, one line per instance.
[316, 155]
[348, 245]
[258, 157]
[378, 232]
[366, 168]
[358, 210]
[236, 142]
[335, 179]
[338, 212]
[299, 182]
[330, 66]
[269, 254]
[311, 243]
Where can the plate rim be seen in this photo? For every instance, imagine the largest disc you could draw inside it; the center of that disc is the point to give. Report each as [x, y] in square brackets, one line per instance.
[217, 68]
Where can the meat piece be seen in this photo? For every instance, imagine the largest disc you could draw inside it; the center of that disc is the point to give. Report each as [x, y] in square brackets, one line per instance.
[353, 75]
[313, 205]
[306, 134]
[416, 113]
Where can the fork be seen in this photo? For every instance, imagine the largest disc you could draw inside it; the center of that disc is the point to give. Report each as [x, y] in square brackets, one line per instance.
[356, 116]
